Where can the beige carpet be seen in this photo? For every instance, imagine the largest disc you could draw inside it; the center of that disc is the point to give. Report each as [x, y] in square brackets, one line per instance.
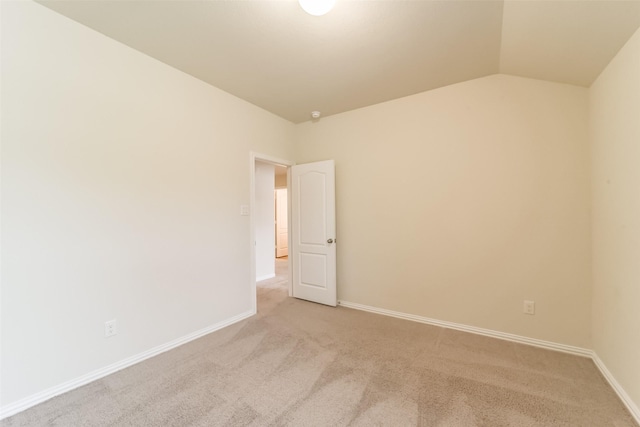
[302, 364]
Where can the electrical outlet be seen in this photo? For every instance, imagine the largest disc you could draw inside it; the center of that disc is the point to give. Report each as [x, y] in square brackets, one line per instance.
[110, 328]
[529, 307]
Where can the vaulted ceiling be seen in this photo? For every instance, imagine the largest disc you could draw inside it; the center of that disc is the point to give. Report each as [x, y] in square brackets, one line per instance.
[274, 55]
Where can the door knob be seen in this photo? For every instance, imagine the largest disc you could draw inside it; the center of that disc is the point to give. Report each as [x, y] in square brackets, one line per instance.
[330, 241]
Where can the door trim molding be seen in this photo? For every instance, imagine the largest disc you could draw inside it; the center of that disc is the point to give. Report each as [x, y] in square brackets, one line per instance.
[266, 158]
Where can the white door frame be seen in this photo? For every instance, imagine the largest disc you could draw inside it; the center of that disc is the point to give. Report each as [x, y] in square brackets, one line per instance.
[253, 157]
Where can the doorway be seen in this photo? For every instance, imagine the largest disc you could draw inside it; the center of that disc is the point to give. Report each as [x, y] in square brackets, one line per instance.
[270, 219]
[311, 271]
[270, 236]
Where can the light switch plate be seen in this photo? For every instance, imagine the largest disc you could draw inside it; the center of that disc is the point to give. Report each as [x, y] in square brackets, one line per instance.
[244, 210]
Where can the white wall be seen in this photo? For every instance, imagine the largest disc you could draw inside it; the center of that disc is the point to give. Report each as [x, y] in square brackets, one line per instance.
[615, 152]
[459, 203]
[265, 221]
[122, 180]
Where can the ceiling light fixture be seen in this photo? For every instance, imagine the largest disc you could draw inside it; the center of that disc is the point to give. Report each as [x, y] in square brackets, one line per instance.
[317, 7]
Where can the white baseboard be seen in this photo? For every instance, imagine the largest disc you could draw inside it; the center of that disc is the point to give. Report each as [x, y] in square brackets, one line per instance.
[265, 277]
[22, 404]
[475, 330]
[631, 406]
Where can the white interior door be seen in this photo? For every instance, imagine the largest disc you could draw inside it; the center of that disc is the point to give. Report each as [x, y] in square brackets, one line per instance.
[282, 228]
[313, 229]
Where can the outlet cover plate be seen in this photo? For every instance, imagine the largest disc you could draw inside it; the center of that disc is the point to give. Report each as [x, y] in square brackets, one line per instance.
[529, 307]
[110, 328]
